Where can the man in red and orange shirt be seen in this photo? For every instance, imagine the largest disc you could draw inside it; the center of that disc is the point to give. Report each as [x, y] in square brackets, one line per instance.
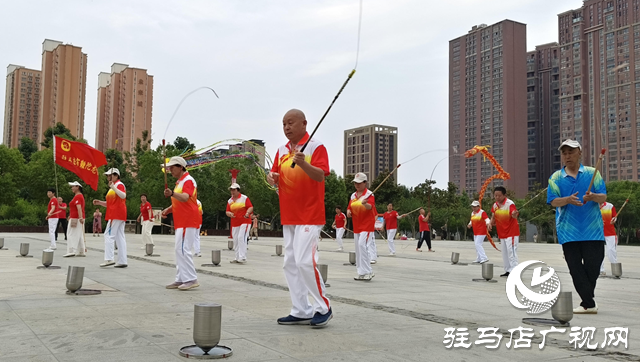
[146, 218]
[301, 192]
[338, 224]
[62, 218]
[116, 216]
[391, 218]
[362, 209]
[609, 217]
[480, 223]
[239, 209]
[186, 221]
[505, 219]
[425, 232]
[52, 217]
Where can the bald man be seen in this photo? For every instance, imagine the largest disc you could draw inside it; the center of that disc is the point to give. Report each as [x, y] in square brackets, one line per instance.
[301, 193]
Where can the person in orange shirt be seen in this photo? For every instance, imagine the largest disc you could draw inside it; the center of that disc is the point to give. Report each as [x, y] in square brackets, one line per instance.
[480, 223]
[391, 218]
[609, 217]
[239, 209]
[52, 217]
[362, 209]
[339, 223]
[186, 221]
[505, 219]
[146, 218]
[75, 245]
[301, 193]
[425, 232]
[116, 204]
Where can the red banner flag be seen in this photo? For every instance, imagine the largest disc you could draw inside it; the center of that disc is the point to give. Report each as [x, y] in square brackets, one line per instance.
[79, 158]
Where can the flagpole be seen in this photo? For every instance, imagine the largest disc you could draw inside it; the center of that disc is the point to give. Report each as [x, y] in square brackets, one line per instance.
[55, 169]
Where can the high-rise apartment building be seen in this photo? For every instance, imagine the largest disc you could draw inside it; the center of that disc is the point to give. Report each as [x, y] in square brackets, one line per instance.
[371, 149]
[125, 104]
[600, 83]
[543, 113]
[488, 105]
[21, 105]
[64, 80]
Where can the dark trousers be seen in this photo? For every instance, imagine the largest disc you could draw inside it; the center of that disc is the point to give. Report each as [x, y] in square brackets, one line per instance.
[584, 259]
[425, 236]
[62, 222]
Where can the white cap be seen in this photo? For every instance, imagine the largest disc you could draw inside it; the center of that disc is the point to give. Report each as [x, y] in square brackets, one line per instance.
[360, 177]
[234, 186]
[177, 160]
[111, 171]
[74, 183]
[475, 203]
[570, 143]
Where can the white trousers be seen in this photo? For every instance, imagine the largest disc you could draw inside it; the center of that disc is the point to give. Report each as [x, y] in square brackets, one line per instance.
[373, 249]
[509, 248]
[75, 238]
[610, 249]
[114, 234]
[339, 235]
[185, 268]
[480, 254]
[147, 227]
[53, 225]
[391, 233]
[301, 271]
[240, 234]
[363, 258]
[196, 243]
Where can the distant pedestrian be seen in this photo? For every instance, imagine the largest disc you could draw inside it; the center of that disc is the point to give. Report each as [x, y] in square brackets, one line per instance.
[52, 217]
[339, 223]
[97, 223]
[62, 218]
[425, 233]
[146, 219]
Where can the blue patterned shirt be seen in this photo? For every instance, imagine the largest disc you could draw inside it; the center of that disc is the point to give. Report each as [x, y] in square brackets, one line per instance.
[577, 223]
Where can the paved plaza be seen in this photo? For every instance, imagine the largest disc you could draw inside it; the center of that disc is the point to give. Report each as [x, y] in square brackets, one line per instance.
[401, 315]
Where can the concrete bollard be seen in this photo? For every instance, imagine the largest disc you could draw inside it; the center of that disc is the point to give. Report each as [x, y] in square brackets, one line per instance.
[24, 251]
[75, 274]
[455, 257]
[324, 273]
[47, 260]
[230, 244]
[616, 270]
[2, 244]
[149, 249]
[487, 271]
[215, 257]
[352, 257]
[207, 320]
[562, 310]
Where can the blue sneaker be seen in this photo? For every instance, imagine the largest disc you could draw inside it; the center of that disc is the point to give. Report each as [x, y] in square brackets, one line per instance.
[291, 320]
[321, 320]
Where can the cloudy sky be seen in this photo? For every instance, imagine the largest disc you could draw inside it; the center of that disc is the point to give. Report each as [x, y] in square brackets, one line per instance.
[265, 57]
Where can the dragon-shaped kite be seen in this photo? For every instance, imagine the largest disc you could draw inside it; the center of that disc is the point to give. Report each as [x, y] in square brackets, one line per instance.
[502, 174]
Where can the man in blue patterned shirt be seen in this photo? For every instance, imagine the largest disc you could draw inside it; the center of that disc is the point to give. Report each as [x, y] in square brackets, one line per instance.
[579, 222]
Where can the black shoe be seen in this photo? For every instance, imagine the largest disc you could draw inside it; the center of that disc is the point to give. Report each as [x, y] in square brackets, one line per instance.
[321, 320]
[290, 320]
[505, 274]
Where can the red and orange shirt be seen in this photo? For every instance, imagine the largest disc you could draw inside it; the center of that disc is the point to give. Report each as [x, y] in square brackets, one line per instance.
[301, 198]
[390, 219]
[608, 213]
[73, 206]
[62, 213]
[506, 225]
[363, 220]
[186, 213]
[479, 222]
[144, 211]
[116, 207]
[239, 208]
[424, 223]
[340, 220]
[53, 202]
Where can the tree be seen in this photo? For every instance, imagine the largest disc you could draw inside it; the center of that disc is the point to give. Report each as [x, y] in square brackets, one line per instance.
[27, 147]
[534, 209]
[11, 174]
[183, 144]
[335, 193]
[60, 131]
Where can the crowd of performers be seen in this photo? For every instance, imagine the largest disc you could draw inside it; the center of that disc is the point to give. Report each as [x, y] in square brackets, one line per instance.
[584, 222]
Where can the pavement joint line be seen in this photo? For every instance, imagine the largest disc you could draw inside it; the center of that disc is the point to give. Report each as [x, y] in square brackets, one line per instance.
[450, 322]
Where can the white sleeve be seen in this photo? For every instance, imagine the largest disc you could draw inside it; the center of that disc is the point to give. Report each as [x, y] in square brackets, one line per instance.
[118, 192]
